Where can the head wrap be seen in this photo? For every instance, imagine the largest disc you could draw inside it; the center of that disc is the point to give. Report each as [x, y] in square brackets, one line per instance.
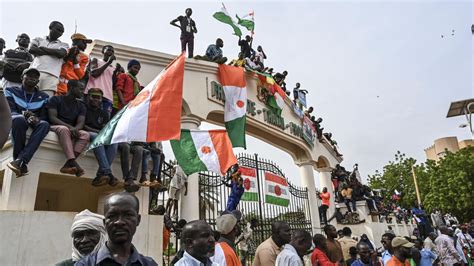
[87, 220]
[132, 63]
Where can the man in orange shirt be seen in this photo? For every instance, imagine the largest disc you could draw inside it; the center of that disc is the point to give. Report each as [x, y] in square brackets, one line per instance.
[229, 227]
[401, 252]
[75, 62]
[325, 196]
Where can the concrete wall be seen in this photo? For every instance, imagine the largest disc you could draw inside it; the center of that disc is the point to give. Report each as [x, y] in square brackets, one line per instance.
[43, 238]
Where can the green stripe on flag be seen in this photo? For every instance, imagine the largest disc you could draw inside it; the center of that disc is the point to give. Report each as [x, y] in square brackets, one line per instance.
[236, 131]
[272, 104]
[277, 200]
[105, 135]
[186, 154]
[250, 196]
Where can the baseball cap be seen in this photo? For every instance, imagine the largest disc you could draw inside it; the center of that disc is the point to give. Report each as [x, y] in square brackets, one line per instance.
[80, 36]
[31, 69]
[225, 223]
[95, 92]
[401, 241]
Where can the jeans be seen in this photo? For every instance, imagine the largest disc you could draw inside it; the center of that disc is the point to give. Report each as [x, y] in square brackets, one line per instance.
[19, 128]
[346, 201]
[155, 156]
[189, 40]
[105, 156]
[323, 213]
[137, 152]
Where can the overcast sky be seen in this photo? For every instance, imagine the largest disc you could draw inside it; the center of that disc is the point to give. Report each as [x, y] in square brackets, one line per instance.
[379, 73]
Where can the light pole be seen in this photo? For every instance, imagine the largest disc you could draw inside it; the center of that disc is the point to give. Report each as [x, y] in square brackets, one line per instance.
[464, 107]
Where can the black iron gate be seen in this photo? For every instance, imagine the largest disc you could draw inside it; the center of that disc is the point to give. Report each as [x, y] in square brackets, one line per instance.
[213, 196]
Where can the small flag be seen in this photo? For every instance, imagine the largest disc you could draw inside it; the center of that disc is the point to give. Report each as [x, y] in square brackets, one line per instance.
[224, 17]
[154, 114]
[233, 82]
[276, 190]
[204, 150]
[249, 175]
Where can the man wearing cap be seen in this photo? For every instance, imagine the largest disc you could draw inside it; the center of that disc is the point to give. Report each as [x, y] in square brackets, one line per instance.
[401, 252]
[127, 84]
[96, 119]
[199, 244]
[229, 227]
[49, 52]
[16, 60]
[88, 235]
[28, 109]
[75, 62]
[102, 75]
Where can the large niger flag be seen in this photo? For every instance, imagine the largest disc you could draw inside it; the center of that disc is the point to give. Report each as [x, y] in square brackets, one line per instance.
[249, 175]
[204, 150]
[233, 82]
[154, 114]
[276, 190]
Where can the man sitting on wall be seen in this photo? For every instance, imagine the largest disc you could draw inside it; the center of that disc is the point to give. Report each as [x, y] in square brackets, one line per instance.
[28, 109]
[67, 115]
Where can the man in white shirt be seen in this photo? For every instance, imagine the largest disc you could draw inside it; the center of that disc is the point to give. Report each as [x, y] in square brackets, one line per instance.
[49, 53]
[177, 183]
[292, 253]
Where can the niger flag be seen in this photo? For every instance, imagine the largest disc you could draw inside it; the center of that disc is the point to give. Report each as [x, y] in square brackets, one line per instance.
[233, 82]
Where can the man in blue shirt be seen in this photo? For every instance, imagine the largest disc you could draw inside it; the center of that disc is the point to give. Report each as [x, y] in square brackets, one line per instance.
[214, 53]
[387, 245]
[366, 256]
[427, 256]
[28, 108]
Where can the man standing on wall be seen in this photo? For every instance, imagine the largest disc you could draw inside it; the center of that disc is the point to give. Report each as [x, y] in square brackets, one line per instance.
[188, 28]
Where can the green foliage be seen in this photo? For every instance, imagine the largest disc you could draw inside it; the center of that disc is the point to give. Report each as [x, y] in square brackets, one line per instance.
[447, 184]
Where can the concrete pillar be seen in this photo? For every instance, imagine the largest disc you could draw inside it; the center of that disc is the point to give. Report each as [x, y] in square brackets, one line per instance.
[189, 204]
[325, 181]
[307, 180]
[20, 193]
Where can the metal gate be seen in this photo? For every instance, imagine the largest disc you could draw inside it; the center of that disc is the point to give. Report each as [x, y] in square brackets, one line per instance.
[213, 196]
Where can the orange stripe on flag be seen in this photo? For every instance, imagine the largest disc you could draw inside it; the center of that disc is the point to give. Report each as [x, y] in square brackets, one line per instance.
[164, 113]
[277, 179]
[279, 90]
[223, 148]
[247, 171]
[232, 76]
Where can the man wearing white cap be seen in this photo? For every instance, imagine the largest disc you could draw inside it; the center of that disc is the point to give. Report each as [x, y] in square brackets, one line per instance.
[401, 252]
[229, 227]
[88, 235]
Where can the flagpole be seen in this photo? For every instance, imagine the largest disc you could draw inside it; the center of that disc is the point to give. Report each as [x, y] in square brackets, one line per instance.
[418, 198]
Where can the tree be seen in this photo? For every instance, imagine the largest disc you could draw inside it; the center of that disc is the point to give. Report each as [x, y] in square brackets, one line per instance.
[451, 184]
[447, 184]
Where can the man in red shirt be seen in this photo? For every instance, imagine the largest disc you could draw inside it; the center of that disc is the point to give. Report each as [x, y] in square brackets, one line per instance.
[325, 196]
[319, 257]
[127, 84]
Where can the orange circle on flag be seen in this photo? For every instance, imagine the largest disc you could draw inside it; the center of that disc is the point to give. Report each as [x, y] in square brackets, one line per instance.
[277, 190]
[141, 97]
[206, 149]
[240, 104]
[247, 184]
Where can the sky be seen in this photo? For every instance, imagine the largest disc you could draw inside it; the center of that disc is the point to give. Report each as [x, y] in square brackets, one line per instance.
[378, 72]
